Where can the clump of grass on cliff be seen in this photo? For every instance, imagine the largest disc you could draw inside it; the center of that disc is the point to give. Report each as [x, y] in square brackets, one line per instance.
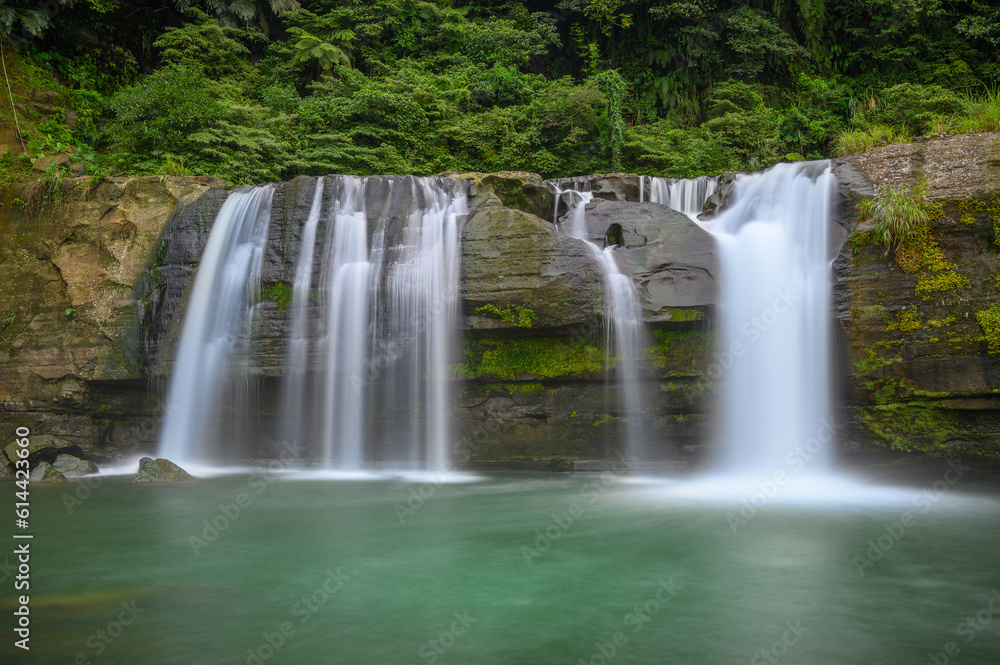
[897, 213]
[982, 114]
[989, 319]
[850, 141]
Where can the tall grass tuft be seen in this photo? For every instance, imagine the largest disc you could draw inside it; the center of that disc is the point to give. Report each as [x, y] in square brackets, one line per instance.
[850, 141]
[982, 114]
[896, 213]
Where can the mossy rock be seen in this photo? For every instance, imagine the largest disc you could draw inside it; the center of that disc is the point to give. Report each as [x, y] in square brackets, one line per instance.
[159, 471]
[44, 473]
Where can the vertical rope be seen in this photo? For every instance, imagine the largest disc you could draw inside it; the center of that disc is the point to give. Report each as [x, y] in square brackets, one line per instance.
[17, 125]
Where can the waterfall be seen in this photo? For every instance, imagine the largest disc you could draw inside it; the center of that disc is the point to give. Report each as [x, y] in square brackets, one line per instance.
[684, 195]
[774, 333]
[216, 325]
[623, 324]
[375, 288]
[347, 291]
[296, 366]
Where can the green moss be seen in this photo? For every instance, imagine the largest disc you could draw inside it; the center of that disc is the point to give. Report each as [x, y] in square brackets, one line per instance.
[989, 319]
[861, 239]
[968, 209]
[920, 252]
[546, 357]
[607, 419]
[912, 426]
[907, 320]
[946, 281]
[680, 352]
[686, 314]
[522, 317]
[280, 293]
[940, 323]
[873, 361]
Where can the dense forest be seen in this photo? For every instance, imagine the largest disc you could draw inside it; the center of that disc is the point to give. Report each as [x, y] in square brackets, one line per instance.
[259, 90]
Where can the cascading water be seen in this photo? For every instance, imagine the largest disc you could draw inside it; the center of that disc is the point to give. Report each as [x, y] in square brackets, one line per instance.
[347, 292]
[774, 322]
[623, 317]
[374, 308]
[390, 292]
[296, 368]
[217, 324]
[685, 195]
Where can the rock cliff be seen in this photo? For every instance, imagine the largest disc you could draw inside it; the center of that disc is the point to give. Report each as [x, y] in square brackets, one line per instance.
[918, 329]
[95, 276]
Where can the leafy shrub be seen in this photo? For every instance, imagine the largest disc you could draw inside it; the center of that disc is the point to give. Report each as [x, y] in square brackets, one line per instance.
[737, 112]
[896, 214]
[850, 141]
[915, 107]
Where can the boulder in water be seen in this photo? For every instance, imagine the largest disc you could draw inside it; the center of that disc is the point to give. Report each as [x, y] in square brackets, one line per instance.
[44, 473]
[42, 448]
[159, 471]
[73, 467]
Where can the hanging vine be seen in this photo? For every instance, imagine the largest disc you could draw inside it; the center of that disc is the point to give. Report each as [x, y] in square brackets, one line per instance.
[613, 86]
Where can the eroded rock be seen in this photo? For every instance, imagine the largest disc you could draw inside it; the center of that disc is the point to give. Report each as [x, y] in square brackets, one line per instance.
[159, 471]
[45, 473]
[73, 467]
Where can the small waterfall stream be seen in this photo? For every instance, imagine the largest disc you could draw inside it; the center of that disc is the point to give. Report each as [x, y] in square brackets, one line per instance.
[774, 321]
[683, 195]
[372, 324]
[216, 325]
[623, 320]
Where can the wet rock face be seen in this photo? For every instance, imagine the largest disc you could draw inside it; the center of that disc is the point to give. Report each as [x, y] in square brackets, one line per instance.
[513, 259]
[95, 286]
[917, 371]
[159, 471]
[671, 259]
[71, 343]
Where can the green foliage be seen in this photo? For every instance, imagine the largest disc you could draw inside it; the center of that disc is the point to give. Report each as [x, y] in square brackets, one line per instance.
[850, 141]
[896, 214]
[317, 42]
[613, 87]
[177, 116]
[738, 113]
[280, 293]
[663, 149]
[540, 357]
[915, 107]
[13, 14]
[989, 319]
[502, 42]
[665, 87]
[758, 41]
[206, 45]
[522, 317]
